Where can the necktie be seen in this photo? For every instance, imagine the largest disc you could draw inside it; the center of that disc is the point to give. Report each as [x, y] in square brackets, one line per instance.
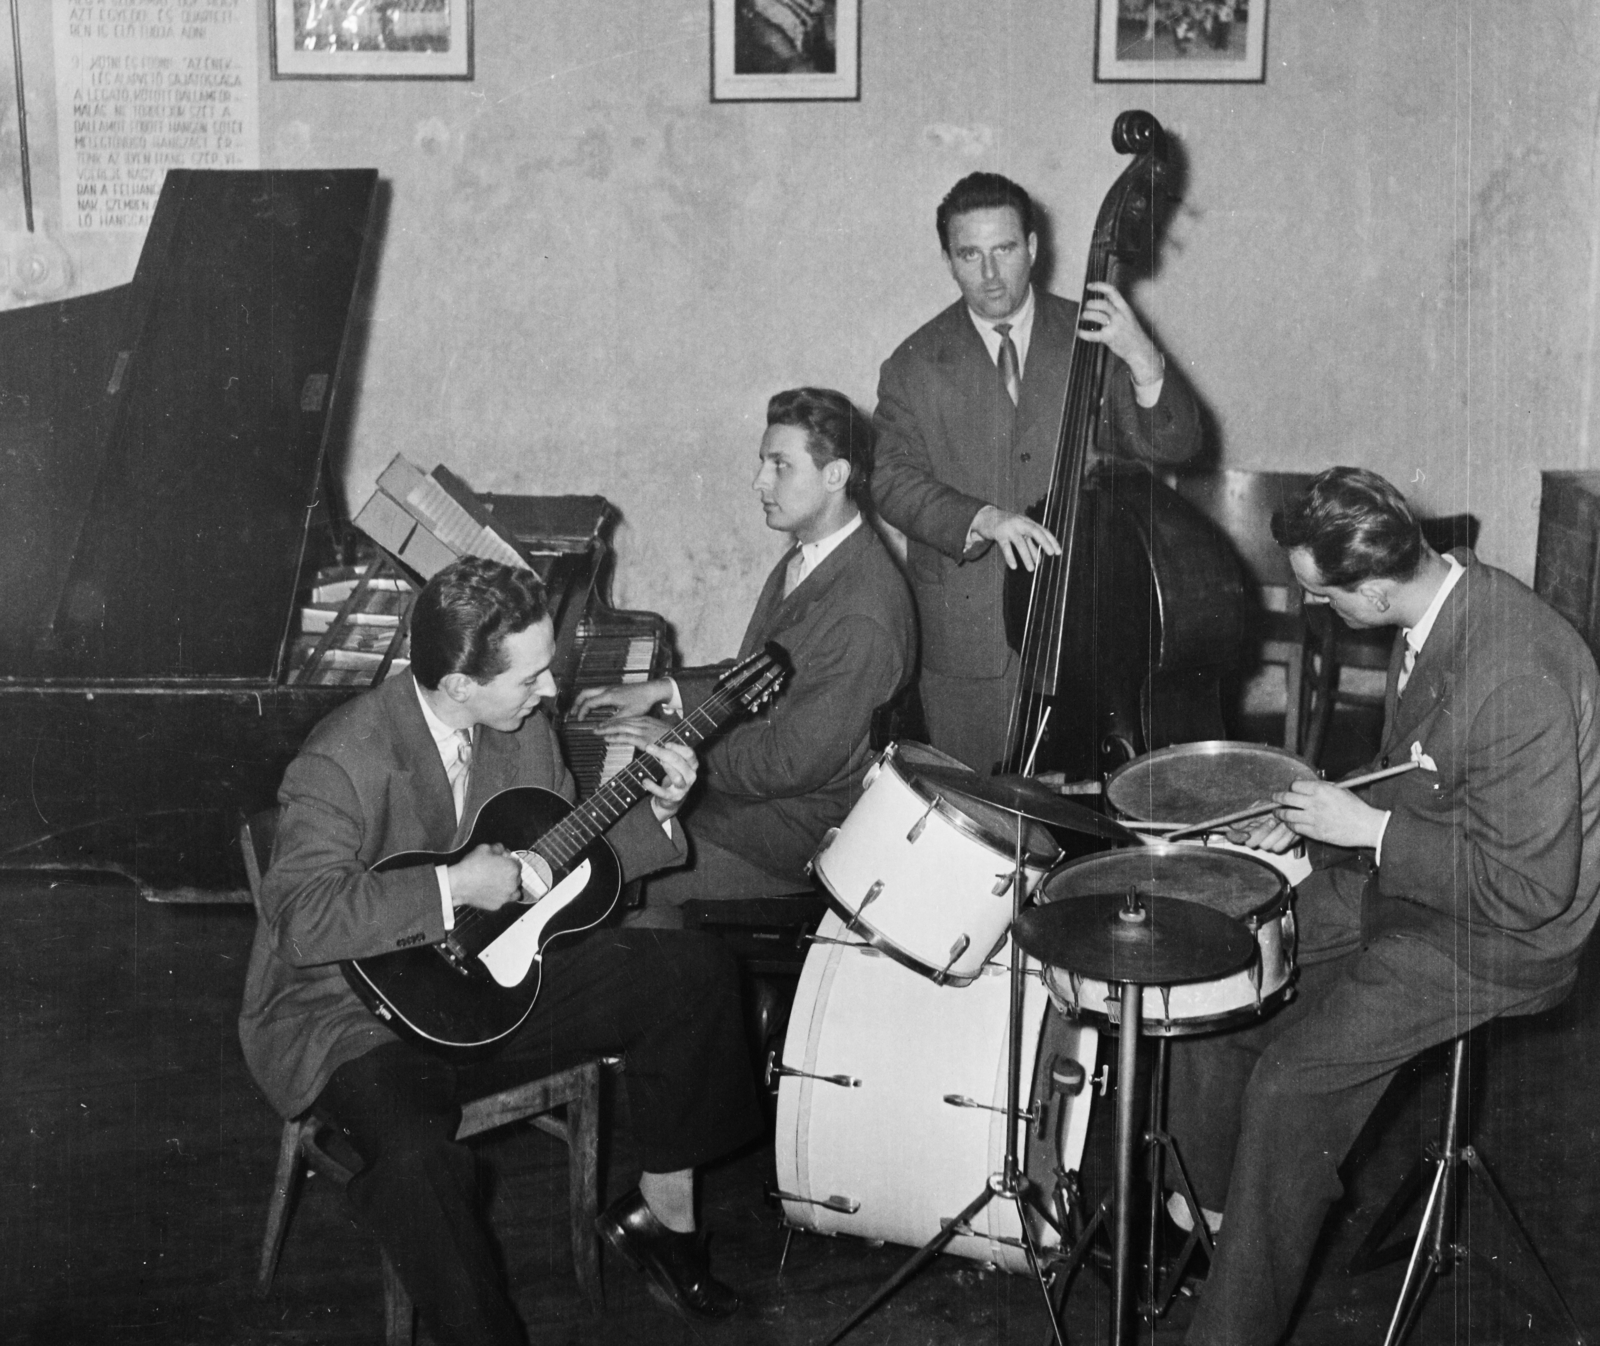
[461, 769]
[795, 572]
[1010, 370]
[1409, 663]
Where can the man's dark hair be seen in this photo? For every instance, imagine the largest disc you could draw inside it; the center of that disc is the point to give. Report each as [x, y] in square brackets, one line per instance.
[982, 191]
[463, 615]
[1356, 527]
[834, 429]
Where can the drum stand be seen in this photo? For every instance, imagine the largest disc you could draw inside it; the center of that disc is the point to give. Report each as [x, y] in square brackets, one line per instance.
[1010, 1184]
[1136, 941]
[1436, 1250]
[1117, 1208]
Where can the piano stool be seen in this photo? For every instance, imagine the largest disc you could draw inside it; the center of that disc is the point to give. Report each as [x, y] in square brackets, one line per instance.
[305, 1141]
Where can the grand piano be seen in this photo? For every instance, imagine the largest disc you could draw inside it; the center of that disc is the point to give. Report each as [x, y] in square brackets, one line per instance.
[164, 507]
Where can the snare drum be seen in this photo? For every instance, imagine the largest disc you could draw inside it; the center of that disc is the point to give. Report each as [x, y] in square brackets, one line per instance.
[925, 875]
[1241, 886]
[891, 1105]
[1190, 782]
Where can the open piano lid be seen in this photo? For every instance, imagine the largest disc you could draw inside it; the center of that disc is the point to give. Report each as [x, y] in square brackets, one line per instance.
[161, 443]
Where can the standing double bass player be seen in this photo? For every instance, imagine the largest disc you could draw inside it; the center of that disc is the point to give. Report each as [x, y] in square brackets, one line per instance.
[968, 418]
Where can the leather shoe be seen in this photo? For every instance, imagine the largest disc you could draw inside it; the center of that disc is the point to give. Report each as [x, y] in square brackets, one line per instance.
[676, 1263]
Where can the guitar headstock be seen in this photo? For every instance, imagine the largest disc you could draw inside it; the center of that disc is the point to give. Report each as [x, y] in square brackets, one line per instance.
[757, 677]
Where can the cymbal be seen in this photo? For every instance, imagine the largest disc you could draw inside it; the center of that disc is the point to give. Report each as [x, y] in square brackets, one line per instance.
[1170, 939]
[1024, 795]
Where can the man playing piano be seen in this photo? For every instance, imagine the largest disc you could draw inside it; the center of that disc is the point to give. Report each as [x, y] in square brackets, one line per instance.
[405, 767]
[839, 606]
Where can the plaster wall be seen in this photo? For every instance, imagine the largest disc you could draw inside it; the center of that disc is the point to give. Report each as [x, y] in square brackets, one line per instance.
[592, 277]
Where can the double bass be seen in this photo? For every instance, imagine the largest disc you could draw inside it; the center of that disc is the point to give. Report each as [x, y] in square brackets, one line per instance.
[1126, 638]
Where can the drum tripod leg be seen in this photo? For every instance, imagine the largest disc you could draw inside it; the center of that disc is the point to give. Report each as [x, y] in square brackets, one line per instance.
[1164, 1154]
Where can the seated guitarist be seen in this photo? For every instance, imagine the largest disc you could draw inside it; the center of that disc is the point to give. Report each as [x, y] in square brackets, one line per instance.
[405, 767]
[837, 603]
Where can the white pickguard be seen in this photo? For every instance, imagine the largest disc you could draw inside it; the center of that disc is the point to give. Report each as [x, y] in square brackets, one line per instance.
[514, 949]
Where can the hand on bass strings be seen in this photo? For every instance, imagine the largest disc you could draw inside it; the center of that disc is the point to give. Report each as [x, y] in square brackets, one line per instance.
[1019, 538]
[487, 878]
[631, 698]
[677, 762]
[1108, 320]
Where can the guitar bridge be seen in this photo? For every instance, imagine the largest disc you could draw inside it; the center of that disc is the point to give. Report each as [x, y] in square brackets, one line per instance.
[456, 960]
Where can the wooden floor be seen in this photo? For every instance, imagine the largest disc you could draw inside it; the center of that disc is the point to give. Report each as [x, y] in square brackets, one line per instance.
[139, 1158]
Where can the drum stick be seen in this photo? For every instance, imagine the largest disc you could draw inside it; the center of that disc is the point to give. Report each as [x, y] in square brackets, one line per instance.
[1256, 810]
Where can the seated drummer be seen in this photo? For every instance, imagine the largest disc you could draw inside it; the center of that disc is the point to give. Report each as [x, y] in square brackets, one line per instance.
[406, 767]
[772, 785]
[1441, 898]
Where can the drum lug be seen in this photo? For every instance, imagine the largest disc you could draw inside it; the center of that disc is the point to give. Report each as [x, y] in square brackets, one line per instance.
[1102, 1080]
[1003, 882]
[956, 950]
[842, 1204]
[870, 896]
[922, 822]
[962, 1101]
[775, 1070]
[827, 840]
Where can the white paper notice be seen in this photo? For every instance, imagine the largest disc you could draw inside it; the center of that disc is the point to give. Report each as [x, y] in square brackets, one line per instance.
[144, 87]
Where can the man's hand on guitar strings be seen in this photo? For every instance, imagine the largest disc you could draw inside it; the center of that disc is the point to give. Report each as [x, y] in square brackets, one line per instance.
[488, 878]
[679, 766]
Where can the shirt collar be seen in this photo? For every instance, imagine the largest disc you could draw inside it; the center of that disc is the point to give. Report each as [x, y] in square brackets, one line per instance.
[1021, 323]
[444, 737]
[1416, 636]
[817, 552]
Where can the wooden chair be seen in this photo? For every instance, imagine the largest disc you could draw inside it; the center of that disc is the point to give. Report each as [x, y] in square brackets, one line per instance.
[304, 1145]
[1313, 646]
[1241, 504]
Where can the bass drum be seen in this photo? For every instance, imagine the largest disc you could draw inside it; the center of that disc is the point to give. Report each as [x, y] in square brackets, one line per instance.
[892, 1095]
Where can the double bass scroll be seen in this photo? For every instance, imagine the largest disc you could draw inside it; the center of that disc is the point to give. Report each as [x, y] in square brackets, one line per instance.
[1124, 639]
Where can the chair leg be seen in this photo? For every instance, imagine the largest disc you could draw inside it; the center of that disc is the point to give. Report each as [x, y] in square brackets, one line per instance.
[285, 1184]
[399, 1317]
[583, 1165]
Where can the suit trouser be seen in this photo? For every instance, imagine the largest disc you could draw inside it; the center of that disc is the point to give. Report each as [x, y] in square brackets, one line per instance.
[667, 1001]
[969, 717]
[1264, 1115]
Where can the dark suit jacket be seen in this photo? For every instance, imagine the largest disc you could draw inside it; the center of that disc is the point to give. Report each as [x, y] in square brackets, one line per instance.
[950, 442]
[367, 784]
[774, 784]
[1495, 857]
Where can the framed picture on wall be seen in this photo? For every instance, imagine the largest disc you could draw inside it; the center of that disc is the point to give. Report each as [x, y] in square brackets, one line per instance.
[1181, 42]
[773, 51]
[371, 39]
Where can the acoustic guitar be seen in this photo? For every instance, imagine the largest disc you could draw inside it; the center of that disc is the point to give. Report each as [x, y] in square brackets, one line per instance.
[477, 985]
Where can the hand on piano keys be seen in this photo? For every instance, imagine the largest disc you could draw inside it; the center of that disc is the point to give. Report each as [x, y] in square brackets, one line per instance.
[593, 754]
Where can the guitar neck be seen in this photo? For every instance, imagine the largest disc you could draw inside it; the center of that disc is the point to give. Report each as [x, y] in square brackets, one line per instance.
[597, 814]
